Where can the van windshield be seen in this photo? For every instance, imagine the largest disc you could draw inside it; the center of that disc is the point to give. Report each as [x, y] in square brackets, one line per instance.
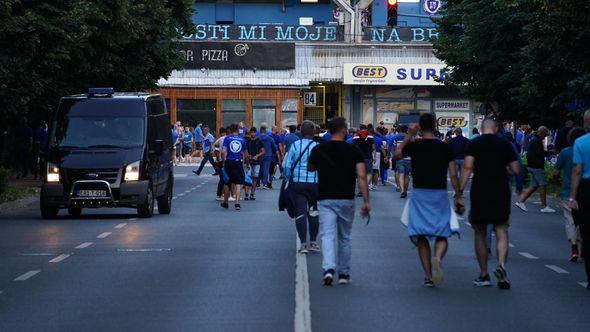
[98, 132]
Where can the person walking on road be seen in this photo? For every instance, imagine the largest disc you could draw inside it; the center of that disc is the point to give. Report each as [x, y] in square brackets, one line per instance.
[207, 150]
[270, 151]
[564, 167]
[404, 165]
[489, 157]
[339, 166]
[217, 148]
[304, 188]
[429, 214]
[579, 200]
[536, 164]
[365, 142]
[459, 146]
[255, 152]
[233, 155]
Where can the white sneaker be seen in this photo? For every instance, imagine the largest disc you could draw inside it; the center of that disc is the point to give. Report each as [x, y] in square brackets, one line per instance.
[219, 198]
[522, 206]
[547, 209]
[232, 199]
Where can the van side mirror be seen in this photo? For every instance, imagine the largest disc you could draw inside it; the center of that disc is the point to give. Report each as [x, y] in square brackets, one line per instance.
[158, 147]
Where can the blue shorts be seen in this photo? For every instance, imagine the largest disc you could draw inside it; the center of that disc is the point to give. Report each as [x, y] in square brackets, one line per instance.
[403, 166]
[254, 170]
[538, 177]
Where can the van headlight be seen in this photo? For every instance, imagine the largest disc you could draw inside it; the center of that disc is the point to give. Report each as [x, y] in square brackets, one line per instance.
[132, 171]
[52, 173]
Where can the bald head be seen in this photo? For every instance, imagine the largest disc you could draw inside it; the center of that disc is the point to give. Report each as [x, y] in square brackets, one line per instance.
[489, 126]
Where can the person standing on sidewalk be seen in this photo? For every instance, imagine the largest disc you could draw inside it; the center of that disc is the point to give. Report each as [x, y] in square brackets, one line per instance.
[233, 155]
[303, 188]
[339, 166]
[459, 146]
[429, 215]
[207, 150]
[489, 157]
[536, 164]
[564, 167]
[579, 200]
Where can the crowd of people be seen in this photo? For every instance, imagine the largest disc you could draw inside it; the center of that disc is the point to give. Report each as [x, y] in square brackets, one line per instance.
[324, 170]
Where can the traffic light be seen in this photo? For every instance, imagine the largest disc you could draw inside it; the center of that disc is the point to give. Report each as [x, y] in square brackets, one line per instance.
[391, 13]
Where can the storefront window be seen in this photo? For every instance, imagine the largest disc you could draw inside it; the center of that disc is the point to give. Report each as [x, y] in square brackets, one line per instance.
[424, 105]
[234, 111]
[263, 110]
[390, 111]
[192, 111]
[289, 112]
[368, 110]
[385, 92]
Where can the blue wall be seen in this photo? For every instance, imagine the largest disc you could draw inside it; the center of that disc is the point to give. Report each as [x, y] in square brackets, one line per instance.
[261, 13]
[269, 13]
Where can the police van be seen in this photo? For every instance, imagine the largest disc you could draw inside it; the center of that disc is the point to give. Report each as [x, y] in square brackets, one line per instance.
[109, 149]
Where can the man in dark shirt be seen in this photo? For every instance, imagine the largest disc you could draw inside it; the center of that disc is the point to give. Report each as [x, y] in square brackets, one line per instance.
[429, 214]
[488, 157]
[339, 165]
[536, 165]
[255, 152]
[458, 145]
[366, 144]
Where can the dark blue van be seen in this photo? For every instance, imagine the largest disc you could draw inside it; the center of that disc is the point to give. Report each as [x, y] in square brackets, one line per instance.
[109, 149]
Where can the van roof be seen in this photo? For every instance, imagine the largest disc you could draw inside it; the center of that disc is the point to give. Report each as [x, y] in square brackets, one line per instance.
[117, 95]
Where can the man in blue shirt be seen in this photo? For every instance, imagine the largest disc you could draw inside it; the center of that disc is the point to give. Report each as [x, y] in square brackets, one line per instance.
[270, 149]
[579, 199]
[291, 137]
[233, 155]
[304, 188]
[199, 138]
[563, 167]
[207, 149]
[459, 145]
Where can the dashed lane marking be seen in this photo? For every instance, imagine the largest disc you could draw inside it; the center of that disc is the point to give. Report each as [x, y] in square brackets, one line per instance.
[527, 255]
[59, 258]
[180, 195]
[145, 250]
[121, 225]
[132, 219]
[583, 284]
[103, 235]
[84, 245]
[511, 245]
[27, 275]
[302, 321]
[556, 269]
[174, 197]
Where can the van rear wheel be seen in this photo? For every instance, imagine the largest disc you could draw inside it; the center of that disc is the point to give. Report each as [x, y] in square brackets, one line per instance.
[165, 202]
[146, 209]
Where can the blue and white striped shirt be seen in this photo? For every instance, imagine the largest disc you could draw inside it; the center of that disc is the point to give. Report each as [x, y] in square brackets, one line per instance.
[300, 174]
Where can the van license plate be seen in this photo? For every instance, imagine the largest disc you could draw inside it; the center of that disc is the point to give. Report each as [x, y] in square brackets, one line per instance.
[92, 193]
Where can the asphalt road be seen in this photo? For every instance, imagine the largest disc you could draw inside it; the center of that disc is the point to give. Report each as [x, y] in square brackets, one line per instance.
[207, 269]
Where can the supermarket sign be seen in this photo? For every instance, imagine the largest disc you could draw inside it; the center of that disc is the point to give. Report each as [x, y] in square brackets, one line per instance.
[393, 74]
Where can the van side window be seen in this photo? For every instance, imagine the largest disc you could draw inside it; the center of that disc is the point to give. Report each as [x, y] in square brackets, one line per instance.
[156, 107]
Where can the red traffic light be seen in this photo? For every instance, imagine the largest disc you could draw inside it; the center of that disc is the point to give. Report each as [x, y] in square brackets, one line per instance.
[391, 2]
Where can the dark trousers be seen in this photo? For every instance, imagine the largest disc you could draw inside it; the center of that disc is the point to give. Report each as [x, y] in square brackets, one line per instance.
[582, 219]
[305, 198]
[221, 183]
[207, 158]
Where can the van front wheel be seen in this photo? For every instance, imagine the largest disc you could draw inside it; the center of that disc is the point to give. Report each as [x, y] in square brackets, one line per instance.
[146, 209]
[165, 202]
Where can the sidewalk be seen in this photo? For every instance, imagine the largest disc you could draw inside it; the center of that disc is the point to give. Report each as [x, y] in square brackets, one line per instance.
[21, 194]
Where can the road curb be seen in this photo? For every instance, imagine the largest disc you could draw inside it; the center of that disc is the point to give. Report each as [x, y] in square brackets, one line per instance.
[19, 205]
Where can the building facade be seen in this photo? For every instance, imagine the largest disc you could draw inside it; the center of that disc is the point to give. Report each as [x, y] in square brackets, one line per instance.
[285, 61]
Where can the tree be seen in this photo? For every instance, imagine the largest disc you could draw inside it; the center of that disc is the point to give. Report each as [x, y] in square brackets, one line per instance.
[529, 57]
[52, 48]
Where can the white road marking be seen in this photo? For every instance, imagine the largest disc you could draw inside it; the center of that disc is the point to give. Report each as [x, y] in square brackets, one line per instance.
[36, 254]
[527, 255]
[145, 250]
[174, 197]
[180, 175]
[583, 284]
[121, 225]
[187, 191]
[59, 258]
[103, 235]
[511, 245]
[302, 304]
[27, 275]
[199, 186]
[180, 195]
[1, 292]
[84, 245]
[132, 219]
[557, 269]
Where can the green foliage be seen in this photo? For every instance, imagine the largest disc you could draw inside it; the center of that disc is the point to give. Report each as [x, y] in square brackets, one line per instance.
[528, 57]
[4, 176]
[52, 48]
[15, 193]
